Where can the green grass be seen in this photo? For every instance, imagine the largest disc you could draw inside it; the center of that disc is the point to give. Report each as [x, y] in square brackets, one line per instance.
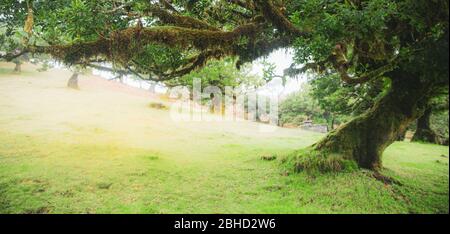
[103, 151]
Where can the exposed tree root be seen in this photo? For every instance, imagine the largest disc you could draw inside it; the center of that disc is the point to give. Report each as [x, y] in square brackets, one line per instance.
[385, 179]
[314, 161]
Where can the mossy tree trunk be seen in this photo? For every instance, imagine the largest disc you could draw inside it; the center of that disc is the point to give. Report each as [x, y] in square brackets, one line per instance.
[366, 137]
[332, 123]
[73, 81]
[18, 67]
[402, 135]
[424, 133]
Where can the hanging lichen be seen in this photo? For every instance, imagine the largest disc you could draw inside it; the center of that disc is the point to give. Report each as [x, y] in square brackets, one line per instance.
[122, 46]
[29, 23]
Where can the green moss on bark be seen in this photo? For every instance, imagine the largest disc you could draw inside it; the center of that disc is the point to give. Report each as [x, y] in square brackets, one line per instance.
[313, 161]
[364, 139]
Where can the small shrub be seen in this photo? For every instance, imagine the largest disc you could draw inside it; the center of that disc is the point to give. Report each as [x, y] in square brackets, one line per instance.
[269, 157]
[312, 161]
[152, 158]
[157, 105]
[104, 185]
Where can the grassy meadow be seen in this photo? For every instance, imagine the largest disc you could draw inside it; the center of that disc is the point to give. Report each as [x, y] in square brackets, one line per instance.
[102, 149]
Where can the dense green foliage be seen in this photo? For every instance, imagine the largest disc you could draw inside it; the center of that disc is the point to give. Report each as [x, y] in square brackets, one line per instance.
[299, 107]
[439, 123]
[326, 100]
[370, 33]
[220, 74]
[354, 37]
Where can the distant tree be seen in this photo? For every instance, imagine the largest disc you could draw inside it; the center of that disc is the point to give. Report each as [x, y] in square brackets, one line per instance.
[220, 73]
[424, 131]
[342, 102]
[439, 123]
[18, 67]
[10, 41]
[299, 107]
[73, 81]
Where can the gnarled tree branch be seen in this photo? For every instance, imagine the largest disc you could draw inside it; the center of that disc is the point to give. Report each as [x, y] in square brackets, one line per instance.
[246, 4]
[11, 56]
[278, 19]
[363, 78]
[124, 44]
[177, 19]
[192, 64]
[168, 5]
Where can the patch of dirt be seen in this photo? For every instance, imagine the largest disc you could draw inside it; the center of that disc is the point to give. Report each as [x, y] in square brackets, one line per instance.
[158, 106]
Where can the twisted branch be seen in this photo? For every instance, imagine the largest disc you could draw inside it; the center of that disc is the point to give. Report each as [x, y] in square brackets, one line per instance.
[277, 18]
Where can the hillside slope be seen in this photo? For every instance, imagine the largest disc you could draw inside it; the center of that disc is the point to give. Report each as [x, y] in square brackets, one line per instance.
[103, 150]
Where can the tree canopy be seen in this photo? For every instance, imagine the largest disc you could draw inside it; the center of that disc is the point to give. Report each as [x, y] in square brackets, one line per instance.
[359, 40]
